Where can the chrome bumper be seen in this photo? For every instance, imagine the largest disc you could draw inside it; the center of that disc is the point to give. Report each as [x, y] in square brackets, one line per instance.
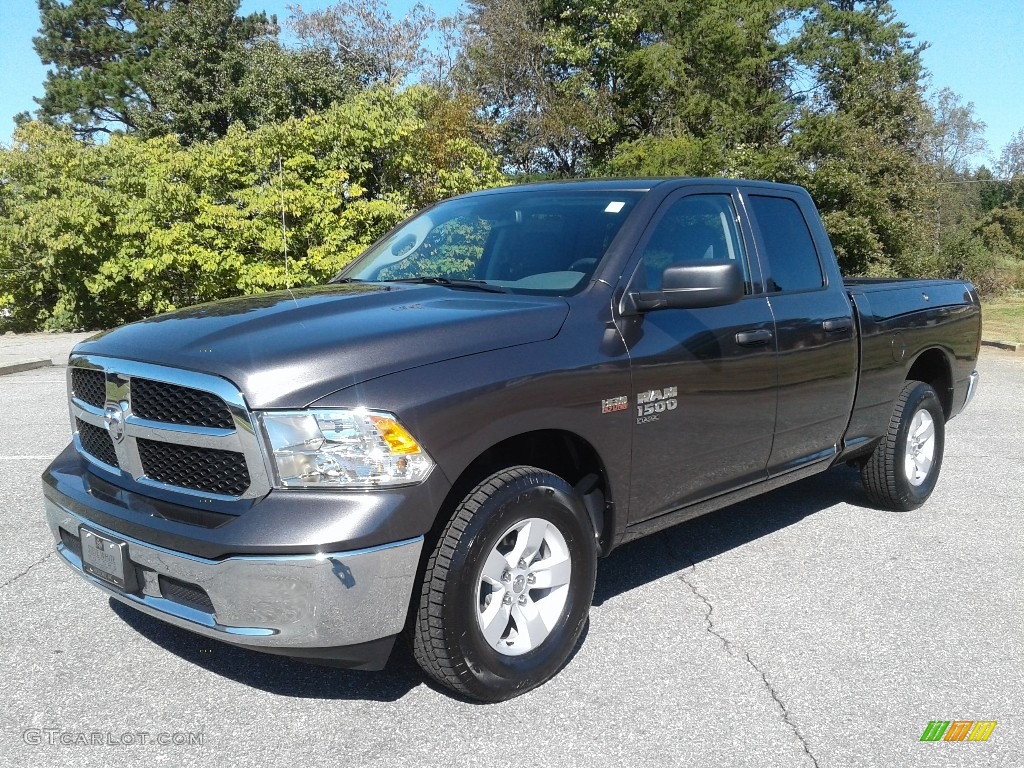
[272, 602]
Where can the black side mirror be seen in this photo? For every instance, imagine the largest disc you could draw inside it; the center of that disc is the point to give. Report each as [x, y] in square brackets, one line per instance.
[692, 285]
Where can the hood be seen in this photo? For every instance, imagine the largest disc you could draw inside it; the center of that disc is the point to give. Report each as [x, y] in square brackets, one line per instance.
[289, 348]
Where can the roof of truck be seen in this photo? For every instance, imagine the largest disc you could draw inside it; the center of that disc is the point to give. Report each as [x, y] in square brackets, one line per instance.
[634, 184]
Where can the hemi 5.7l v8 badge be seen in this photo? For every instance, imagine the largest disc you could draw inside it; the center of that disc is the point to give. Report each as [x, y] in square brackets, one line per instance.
[613, 404]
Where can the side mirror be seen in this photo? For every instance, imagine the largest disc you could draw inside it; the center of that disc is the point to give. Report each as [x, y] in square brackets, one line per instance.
[692, 285]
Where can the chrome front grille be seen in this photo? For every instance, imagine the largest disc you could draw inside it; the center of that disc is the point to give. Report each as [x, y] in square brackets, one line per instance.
[166, 428]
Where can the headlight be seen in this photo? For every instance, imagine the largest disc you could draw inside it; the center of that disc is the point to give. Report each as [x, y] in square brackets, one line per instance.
[342, 448]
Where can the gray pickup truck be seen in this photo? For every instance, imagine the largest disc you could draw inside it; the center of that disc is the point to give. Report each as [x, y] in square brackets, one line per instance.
[443, 441]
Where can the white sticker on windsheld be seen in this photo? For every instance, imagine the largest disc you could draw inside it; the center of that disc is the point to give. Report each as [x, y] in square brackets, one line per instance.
[614, 207]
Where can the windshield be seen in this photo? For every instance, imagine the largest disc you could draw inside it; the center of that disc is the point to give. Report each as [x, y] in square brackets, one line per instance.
[529, 241]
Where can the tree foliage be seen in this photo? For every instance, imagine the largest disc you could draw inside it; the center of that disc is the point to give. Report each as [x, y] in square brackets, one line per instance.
[96, 235]
[546, 121]
[569, 82]
[97, 50]
[860, 133]
[154, 66]
[187, 67]
[192, 76]
[955, 135]
[364, 36]
[213, 122]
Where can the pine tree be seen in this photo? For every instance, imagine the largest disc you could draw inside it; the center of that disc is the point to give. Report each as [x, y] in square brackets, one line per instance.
[146, 66]
[193, 73]
[96, 50]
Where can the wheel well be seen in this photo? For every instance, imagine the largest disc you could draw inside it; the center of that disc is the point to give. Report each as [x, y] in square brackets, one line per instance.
[932, 367]
[560, 452]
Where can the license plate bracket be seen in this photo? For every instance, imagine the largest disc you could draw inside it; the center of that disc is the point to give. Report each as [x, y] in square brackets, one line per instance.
[106, 558]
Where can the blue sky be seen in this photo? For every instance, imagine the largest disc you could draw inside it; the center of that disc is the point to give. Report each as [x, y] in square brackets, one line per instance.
[976, 48]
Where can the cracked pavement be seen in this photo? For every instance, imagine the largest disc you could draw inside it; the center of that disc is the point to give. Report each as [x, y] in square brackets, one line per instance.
[28, 570]
[727, 644]
[802, 628]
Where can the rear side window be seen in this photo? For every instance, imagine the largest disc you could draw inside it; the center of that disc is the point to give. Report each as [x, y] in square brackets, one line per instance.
[792, 258]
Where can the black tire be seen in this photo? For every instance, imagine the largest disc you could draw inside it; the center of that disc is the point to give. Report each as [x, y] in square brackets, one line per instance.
[448, 638]
[885, 476]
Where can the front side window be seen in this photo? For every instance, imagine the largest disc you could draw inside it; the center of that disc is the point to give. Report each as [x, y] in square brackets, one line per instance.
[695, 228]
[792, 258]
[529, 241]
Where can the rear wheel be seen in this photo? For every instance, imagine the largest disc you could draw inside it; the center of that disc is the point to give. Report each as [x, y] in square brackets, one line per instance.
[902, 472]
[508, 588]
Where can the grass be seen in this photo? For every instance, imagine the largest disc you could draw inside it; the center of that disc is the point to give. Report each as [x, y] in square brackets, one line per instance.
[1002, 319]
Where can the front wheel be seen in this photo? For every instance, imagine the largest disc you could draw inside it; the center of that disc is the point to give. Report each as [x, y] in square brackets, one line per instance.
[902, 472]
[508, 588]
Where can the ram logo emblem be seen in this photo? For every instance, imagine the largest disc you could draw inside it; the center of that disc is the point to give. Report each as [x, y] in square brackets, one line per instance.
[113, 419]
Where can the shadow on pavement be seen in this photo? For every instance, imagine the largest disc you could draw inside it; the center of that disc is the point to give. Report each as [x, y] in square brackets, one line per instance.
[629, 567]
[278, 674]
[686, 544]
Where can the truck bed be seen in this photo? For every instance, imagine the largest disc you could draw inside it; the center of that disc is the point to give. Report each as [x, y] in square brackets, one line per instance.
[897, 320]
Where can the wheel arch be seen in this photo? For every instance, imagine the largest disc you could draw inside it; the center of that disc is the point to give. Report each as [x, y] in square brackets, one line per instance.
[559, 451]
[932, 366]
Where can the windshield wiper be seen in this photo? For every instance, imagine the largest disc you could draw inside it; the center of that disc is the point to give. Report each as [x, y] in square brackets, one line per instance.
[448, 282]
[336, 280]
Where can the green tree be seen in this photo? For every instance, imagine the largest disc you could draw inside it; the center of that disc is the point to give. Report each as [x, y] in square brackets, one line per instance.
[570, 81]
[861, 133]
[192, 75]
[57, 222]
[1001, 227]
[955, 135]
[548, 118]
[708, 70]
[167, 66]
[1011, 159]
[1004, 186]
[93, 235]
[96, 50]
[279, 83]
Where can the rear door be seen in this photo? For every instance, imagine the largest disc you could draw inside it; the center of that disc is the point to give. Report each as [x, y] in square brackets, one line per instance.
[817, 344]
[704, 380]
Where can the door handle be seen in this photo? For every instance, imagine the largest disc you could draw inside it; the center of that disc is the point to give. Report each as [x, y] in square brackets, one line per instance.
[837, 324]
[753, 338]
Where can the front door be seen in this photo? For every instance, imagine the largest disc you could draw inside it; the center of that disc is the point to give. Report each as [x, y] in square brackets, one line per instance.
[704, 380]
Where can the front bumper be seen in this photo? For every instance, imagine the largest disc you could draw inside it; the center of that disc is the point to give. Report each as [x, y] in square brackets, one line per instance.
[302, 605]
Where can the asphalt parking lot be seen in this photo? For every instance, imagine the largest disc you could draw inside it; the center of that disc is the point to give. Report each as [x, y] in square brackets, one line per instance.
[802, 628]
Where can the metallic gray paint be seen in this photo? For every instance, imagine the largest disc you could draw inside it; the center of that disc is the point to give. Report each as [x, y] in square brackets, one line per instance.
[289, 348]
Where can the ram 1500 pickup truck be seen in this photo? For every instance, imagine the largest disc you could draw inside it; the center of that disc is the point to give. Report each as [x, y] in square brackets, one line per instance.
[444, 440]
